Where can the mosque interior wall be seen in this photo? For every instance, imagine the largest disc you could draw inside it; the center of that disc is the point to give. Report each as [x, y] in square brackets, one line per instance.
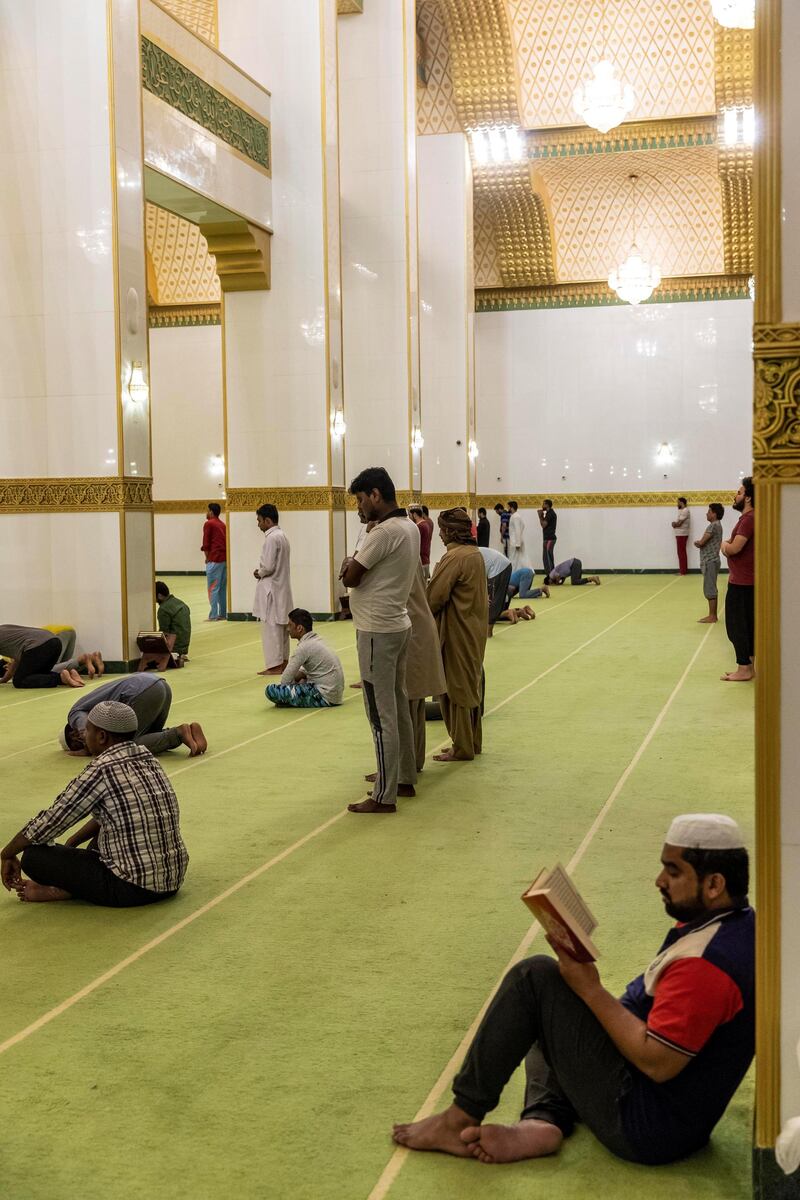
[790, 808]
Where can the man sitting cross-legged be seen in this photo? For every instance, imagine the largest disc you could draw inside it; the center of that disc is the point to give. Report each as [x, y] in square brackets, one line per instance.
[150, 697]
[650, 1074]
[313, 677]
[136, 854]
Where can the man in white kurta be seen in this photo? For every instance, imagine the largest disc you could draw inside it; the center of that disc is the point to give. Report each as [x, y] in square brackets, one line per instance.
[516, 538]
[273, 599]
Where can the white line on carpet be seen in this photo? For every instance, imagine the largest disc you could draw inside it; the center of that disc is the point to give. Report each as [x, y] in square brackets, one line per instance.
[395, 1163]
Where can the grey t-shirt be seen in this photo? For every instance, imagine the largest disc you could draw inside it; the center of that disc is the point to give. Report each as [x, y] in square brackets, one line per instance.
[124, 690]
[710, 552]
[16, 639]
[321, 666]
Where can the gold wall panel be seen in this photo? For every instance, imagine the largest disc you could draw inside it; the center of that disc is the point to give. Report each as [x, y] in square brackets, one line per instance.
[436, 106]
[185, 272]
[96, 494]
[606, 499]
[348, 7]
[312, 499]
[665, 51]
[680, 211]
[200, 16]
[481, 62]
[591, 295]
[776, 431]
[517, 202]
[734, 89]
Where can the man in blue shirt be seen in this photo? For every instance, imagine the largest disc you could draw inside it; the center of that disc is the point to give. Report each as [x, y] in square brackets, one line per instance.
[650, 1073]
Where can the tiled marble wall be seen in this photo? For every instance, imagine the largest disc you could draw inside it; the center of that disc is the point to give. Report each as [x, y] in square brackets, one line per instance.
[790, 808]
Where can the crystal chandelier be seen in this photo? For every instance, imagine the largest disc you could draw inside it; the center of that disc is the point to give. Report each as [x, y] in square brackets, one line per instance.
[734, 14]
[636, 279]
[604, 101]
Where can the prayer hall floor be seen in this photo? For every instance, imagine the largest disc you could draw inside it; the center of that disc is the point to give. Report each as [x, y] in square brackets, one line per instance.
[263, 1047]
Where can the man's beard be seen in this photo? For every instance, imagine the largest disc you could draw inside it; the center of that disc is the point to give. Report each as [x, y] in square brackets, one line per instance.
[738, 505]
[684, 912]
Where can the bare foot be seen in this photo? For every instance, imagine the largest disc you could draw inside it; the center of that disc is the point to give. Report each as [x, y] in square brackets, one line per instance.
[39, 893]
[187, 737]
[528, 613]
[88, 662]
[445, 756]
[369, 806]
[707, 621]
[373, 775]
[510, 1143]
[740, 675]
[441, 1132]
[199, 737]
[70, 678]
[594, 579]
[99, 665]
[545, 591]
[278, 670]
[356, 685]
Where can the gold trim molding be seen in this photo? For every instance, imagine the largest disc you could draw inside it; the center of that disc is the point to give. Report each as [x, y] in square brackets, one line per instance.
[669, 134]
[346, 8]
[776, 423]
[304, 499]
[99, 494]
[674, 290]
[242, 253]
[606, 499]
[182, 316]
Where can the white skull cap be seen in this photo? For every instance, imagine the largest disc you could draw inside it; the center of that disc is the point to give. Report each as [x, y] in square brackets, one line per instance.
[705, 831]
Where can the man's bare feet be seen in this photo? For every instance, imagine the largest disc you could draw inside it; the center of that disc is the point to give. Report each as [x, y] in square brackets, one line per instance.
[99, 665]
[545, 591]
[186, 735]
[511, 1143]
[445, 756]
[39, 893]
[528, 613]
[594, 579]
[740, 675]
[441, 1132]
[199, 737]
[88, 662]
[707, 621]
[373, 775]
[369, 806]
[281, 667]
[70, 678]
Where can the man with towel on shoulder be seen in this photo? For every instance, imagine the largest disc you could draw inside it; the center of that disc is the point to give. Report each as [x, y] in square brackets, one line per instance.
[135, 854]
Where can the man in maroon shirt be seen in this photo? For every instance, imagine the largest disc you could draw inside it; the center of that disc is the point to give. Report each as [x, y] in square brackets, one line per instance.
[739, 611]
[215, 549]
[425, 526]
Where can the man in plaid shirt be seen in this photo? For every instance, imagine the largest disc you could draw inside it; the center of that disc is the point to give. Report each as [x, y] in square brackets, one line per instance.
[135, 855]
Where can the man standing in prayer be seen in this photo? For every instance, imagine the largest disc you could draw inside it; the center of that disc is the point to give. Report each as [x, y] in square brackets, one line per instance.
[313, 677]
[681, 528]
[150, 698]
[380, 575]
[425, 527]
[548, 519]
[516, 537]
[174, 617]
[273, 598]
[459, 601]
[709, 545]
[739, 600]
[136, 854]
[504, 516]
[484, 528]
[650, 1074]
[215, 549]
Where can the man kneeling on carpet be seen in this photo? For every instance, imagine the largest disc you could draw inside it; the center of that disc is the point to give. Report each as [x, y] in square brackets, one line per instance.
[313, 677]
[135, 855]
[150, 697]
[650, 1074]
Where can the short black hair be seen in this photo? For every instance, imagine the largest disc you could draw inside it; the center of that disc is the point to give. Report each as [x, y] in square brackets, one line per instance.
[718, 511]
[498, 508]
[481, 510]
[301, 616]
[424, 508]
[547, 504]
[215, 509]
[162, 589]
[734, 865]
[268, 512]
[749, 489]
[682, 500]
[513, 505]
[415, 508]
[374, 479]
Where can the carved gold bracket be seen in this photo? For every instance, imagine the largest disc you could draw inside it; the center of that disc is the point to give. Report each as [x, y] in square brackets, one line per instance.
[776, 430]
[242, 252]
[346, 7]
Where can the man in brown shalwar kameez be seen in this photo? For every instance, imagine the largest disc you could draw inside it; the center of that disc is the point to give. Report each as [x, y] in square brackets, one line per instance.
[458, 599]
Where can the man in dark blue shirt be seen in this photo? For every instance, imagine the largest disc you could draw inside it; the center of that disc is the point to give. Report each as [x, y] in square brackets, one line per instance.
[650, 1073]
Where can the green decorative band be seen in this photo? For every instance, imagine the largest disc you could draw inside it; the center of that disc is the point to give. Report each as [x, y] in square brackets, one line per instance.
[183, 316]
[176, 85]
[646, 135]
[600, 295]
[99, 494]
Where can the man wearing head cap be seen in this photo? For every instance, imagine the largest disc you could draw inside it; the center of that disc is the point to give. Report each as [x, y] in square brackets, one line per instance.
[135, 855]
[650, 1073]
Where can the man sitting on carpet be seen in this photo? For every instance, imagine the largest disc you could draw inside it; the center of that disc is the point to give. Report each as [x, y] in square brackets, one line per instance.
[150, 698]
[313, 677]
[136, 854]
[650, 1074]
[174, 616]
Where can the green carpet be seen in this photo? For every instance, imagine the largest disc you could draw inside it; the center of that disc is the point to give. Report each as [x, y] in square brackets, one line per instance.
[265, 1049]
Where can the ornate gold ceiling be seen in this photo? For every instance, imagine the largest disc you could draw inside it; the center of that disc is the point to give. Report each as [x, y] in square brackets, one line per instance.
[200, 16]
[181, 269]
[563, 218]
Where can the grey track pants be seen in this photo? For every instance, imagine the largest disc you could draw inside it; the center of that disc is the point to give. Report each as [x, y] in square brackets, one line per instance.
[382, 663]
[152, 709]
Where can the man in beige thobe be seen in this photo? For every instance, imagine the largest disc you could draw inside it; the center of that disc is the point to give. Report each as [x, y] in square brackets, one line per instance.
[273, 599]
[424, 670]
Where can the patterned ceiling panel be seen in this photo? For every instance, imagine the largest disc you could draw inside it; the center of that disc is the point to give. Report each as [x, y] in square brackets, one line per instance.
[679, 205]
[734, 84]
[517, 200]
[436, 107]
[487, 259]
[185, 273]
[664, 50]
[481, 62]
[198, 15]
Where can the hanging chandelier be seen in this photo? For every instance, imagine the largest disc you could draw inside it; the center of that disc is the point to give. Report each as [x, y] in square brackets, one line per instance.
[734, 14]
[635, 279]
[604, 101]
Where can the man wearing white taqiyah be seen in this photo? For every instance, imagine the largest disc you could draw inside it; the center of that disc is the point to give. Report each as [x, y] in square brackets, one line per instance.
[651, 1073]
[135, 854]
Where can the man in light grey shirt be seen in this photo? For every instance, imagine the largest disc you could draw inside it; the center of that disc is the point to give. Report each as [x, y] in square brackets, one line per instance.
[313, 677]
[709, 545]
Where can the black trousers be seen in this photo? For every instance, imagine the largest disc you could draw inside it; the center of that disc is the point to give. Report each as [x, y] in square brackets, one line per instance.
[34, 669]
[548, 562]
[740, 624]
[498, 589]
[576, 573]
[84, 876]
[574, 1071]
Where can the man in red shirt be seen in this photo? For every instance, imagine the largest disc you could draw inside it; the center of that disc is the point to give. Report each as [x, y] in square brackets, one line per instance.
[425, 526]
[739, 601]
[215, 549]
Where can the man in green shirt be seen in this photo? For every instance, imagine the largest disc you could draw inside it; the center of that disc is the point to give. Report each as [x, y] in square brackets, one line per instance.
[174, 617]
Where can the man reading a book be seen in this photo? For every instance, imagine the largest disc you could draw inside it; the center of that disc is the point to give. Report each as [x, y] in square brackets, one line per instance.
[651, 1073]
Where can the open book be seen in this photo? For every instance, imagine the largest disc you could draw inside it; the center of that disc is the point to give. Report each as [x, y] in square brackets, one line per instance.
[560, 910]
